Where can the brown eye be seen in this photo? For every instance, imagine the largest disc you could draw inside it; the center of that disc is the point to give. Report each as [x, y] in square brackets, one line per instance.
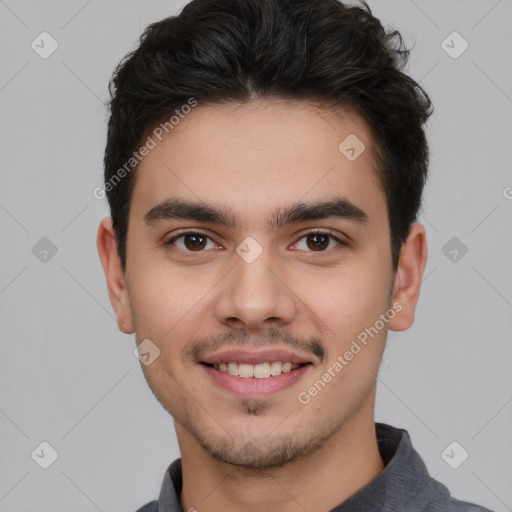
[318, 241]
[190, 241]
[194, 242]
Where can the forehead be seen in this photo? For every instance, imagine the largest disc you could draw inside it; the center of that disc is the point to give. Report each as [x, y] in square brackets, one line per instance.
[255, 156]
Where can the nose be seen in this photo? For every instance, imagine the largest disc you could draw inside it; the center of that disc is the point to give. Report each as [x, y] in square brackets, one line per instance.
[255, 296]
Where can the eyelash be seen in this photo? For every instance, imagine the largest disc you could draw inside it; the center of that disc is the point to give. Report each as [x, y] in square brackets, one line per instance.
[312, 232]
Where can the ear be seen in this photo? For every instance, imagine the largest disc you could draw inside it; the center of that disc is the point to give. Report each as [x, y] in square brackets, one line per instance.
[407, 283]
[116, 283]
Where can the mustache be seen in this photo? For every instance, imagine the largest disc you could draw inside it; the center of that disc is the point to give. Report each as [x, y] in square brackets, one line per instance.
[271, 337]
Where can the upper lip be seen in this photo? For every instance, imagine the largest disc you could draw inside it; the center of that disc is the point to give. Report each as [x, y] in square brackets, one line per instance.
[255, 357]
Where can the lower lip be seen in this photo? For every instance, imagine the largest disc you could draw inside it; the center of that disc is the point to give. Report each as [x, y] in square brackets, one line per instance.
[252, 387]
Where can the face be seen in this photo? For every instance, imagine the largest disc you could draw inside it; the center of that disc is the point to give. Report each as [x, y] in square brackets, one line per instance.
[253, 243]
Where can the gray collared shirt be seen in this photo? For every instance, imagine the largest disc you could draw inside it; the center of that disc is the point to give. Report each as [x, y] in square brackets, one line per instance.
[404, 485]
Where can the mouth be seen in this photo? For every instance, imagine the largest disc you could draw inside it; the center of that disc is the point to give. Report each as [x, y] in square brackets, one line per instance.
[263, 370]
[252, 381]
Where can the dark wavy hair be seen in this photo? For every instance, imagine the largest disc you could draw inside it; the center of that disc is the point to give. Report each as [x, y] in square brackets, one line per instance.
[305, 50]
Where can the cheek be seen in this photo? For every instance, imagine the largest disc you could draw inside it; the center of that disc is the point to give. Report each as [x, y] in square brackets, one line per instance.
[348, 299]
[165, 298]
[352, 302]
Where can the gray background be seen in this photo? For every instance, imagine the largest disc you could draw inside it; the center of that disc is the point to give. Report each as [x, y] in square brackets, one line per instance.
[69, 377]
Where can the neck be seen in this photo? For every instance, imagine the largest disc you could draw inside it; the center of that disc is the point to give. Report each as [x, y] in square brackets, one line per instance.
[324, 479]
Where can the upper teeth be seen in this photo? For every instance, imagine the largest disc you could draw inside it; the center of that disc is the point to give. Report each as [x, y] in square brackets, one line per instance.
[260, 371]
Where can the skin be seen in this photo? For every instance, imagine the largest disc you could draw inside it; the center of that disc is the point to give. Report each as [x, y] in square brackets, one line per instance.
[271, 453]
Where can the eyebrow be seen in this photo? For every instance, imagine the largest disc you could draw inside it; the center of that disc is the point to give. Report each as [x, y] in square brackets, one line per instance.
[181, 209]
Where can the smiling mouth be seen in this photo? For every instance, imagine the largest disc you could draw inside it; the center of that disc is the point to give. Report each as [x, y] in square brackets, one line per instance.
[255, 371]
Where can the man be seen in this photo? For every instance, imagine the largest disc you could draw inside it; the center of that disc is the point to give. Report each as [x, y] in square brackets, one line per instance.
[264, 168]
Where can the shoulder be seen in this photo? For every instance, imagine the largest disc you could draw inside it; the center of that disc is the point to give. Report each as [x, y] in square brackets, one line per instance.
[149, 507]
[169, 491]
[454, 505]
[409, 486]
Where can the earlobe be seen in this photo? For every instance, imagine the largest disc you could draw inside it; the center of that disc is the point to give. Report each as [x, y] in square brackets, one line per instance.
[406, 287]
[116, 283]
